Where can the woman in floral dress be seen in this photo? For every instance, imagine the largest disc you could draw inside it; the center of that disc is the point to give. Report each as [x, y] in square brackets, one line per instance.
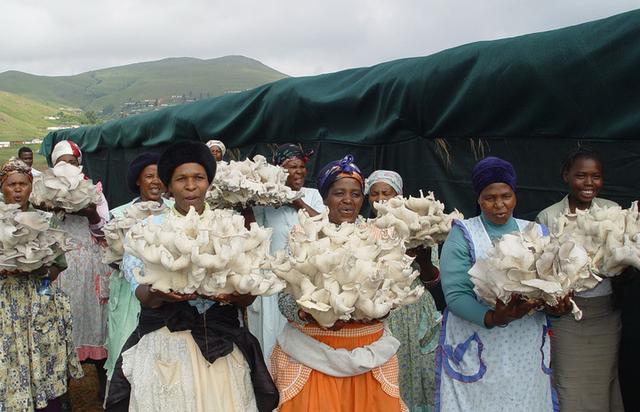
[416, 326]
[37, 355]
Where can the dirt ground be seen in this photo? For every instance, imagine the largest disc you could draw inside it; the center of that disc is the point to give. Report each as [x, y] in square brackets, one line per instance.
[84, 392]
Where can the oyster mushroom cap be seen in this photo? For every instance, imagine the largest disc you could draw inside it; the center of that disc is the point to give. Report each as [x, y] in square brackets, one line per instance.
[26, 240]
[421, 221]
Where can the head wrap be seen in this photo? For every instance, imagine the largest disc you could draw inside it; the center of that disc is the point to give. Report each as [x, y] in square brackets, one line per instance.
[66, 147]
[136, 167]
[492, 170]
[185, 151]
[13, 166]
[219, 144]
[290, 151]
[337, 170]
[389, 177]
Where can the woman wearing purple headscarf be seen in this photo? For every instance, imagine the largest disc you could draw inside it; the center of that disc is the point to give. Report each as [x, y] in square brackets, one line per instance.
[318, 369]
[490, 359]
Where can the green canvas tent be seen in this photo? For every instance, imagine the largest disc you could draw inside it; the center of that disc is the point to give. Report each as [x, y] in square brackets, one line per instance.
[528, 99]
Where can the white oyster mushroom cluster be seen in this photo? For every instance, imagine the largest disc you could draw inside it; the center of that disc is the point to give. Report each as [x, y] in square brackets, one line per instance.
[209, 254]
[27, 241]
[63, 187]
[534, 266]
[116, 229]
[610, 235]
[345, 272]
[250, 183]
[421, 220]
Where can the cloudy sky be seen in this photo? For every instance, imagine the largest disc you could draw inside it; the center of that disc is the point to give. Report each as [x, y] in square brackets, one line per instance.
[298, 38]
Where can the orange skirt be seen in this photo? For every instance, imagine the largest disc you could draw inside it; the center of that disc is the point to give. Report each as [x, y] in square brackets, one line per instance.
[304, 389]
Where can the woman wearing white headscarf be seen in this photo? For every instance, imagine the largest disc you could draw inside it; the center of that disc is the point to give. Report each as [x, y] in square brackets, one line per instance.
[416, 326]
[218, 149]
[86, 279]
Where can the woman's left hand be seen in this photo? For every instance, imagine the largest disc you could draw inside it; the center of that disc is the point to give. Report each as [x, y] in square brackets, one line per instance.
[339, 324]
[428, 271]
[12, 272]
[563, 307]
[421, 254]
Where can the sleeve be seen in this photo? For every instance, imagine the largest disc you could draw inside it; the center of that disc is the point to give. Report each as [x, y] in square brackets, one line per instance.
[455, 263]
[128, 265]
[289, 308]
[258, 213]
[313, 199]
[61, 262]
[102, 207]
[543, 218]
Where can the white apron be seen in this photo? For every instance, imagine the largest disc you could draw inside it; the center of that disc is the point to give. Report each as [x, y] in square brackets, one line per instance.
[498, 369]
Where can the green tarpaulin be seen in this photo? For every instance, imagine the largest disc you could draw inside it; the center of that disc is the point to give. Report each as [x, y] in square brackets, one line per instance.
[529, 99]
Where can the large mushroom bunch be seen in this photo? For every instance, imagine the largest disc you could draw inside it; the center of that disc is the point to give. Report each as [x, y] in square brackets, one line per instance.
[421, 220]
[116, 229]
[345, 272]
[534, 266]
[27, 241]
[209, 254]
[610, 235]
[63, 187]
[249, 183]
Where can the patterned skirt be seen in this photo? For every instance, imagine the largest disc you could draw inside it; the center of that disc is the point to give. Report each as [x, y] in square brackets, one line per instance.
[36, 347]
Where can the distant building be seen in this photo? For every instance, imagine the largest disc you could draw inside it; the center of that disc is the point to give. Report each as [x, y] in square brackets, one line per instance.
[54, 128]
[4, 145]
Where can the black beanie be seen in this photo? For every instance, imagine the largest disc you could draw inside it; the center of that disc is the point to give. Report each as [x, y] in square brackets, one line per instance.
[136, 167]
[185, 151]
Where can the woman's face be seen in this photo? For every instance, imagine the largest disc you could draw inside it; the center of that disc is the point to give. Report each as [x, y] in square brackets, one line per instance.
[189, 184]
[297, 172]
[216, 152]
[151, 187]
[585, 181]
[380, 191]
[344, 200]
[71, 159]
[497, 202]
[16, 189]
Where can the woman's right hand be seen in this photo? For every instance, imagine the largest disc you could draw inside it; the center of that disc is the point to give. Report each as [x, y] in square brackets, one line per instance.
[154, 298]
[516, 308]
[46, 208]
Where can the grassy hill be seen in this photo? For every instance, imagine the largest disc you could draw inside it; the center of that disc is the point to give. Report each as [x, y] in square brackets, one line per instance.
[23, 119]
[107, 90]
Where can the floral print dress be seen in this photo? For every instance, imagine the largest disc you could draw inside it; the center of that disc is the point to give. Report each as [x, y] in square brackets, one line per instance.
[417, 327]
[37, 354]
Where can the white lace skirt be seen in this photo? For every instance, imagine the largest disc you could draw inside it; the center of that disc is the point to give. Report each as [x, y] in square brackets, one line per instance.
[168, 373]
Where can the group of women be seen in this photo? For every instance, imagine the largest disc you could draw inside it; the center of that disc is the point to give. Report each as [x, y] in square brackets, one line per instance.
[202, 353]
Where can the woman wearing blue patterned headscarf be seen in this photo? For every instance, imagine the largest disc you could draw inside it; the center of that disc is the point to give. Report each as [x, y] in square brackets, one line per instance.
[265, 320]
[337, 170]
[307, 382]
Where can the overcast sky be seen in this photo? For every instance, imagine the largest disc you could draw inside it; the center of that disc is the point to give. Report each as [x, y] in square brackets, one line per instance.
[298, 38]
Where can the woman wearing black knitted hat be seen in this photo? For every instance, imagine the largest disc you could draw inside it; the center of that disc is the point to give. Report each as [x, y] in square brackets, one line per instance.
[224, 368]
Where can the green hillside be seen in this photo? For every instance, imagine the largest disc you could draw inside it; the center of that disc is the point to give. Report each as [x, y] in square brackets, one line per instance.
[24, 119]
[109, 89]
